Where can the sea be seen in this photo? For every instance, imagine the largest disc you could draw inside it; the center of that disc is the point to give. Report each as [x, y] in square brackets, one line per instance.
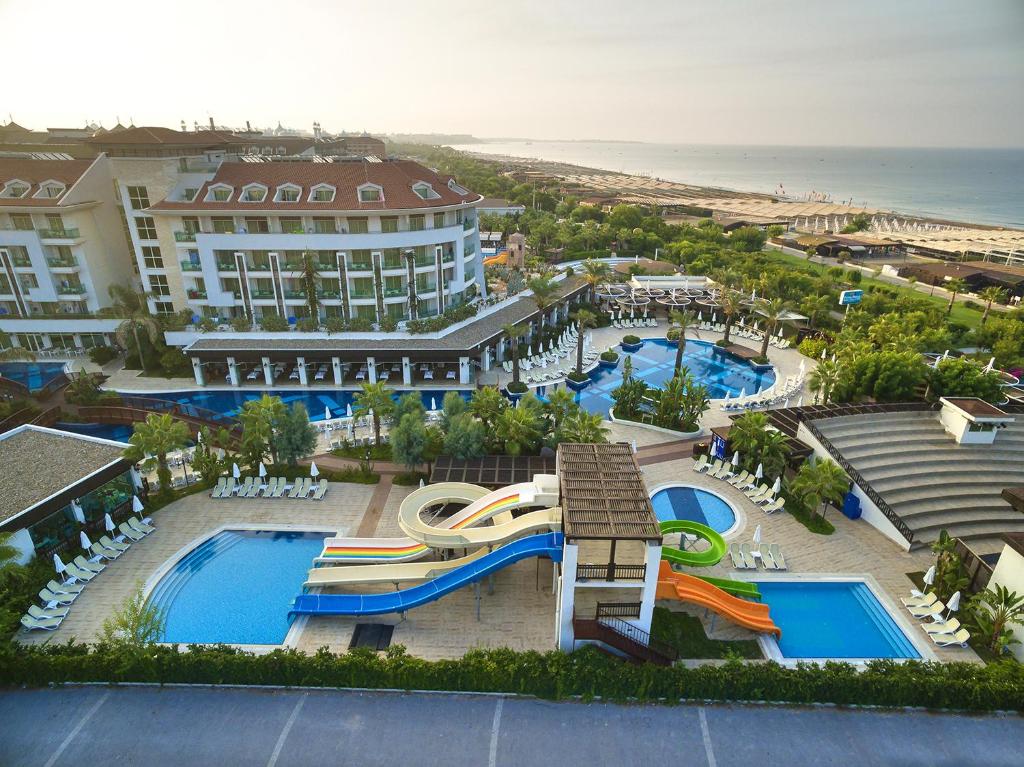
[982, 186]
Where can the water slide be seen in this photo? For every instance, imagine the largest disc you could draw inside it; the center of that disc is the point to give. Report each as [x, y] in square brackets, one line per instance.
[707, 558]
[541, 545]
[501, 257]
[483, 505]
[687, 588]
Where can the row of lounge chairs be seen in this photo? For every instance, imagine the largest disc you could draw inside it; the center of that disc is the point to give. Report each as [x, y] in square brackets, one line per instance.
[276, 487]
[745, 558]
[775, 395]
[544, 359]
[57, 597]
[945, 632]
[637, 322]
[744, 481]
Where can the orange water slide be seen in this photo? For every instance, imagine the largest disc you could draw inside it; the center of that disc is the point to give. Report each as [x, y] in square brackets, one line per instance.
[686, 588]
[501, 257]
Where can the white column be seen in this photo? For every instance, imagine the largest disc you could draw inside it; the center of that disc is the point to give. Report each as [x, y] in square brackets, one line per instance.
[268, 371]
[338, 375]
[78, 340]
[233, 371]
[371, 369]
[197, 371]
[653, 562]
[500, 355]
[485, 359]
[567, 597]
[406, 371]
[464, 370]
[301, 362]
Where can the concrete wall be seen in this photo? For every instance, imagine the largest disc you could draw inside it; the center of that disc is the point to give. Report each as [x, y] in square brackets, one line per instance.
[1009, 572]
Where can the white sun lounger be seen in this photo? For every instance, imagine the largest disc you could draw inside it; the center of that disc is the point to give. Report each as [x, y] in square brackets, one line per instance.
[960, 638]
[83, 564]
[129, 532]
[65, 588]
[51, 612]
[282, 485]
[935, 608]
[942, 627]
[218, 491]
[46, 624]
[321, 490]
[702, 463]
[777, 505]
[927, 599]
[141, 525]
[777, 558]
[298, 488]
[62, 599]
[104, 552]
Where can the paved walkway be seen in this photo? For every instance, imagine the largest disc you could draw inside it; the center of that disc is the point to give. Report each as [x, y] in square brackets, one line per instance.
[218, 727]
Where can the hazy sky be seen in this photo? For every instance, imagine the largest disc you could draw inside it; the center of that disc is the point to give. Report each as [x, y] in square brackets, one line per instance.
[928, 72]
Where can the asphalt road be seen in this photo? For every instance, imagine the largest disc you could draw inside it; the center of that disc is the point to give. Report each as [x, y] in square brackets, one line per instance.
[155, 727]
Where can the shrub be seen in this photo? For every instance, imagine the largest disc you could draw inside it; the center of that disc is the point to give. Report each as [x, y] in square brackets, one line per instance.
[241, 324]
[577, 377]
[631, 339]
[360, 325]
[610, 356]
[335, 325]
[207, 325]
[672, 334]
[516, 387]
[274, 323]
[389, 324]
[307, 325]
[101, 355]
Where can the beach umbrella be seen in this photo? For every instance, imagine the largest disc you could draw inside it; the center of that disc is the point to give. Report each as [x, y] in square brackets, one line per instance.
[348, 410]
[433, 403]
[757, 535]
[778, 485]
[760, 471]
[199, 437]
[802, 365]
[421, 481]
[945, 354]
[136, 478]
[726, 397]
[327, 413]
[235, 471]
[351, 428]
[990, 365]
[84, 540]
[313, 470]
[700, 316]
[108, 523]
[954, 603]
[137, 506]
[77, 511]
[743, 392]
[633, 445]
[823, 352]
[800, 402]
[262, 470]
[736, 458]
[58, 565]
[929, 577]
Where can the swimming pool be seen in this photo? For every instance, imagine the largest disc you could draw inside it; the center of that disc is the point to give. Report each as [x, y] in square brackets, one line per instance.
[694, 504]
[229, 402]
[34, 375]
[710, 365]
[840, 619]
[115, 432]
[236, 587]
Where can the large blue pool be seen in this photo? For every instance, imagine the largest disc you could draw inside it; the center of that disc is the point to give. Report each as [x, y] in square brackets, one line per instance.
[694, 504]
[655, 363]
[236, 588]
[34, 375]
[116, 432]
[833, 619]
[229, 402]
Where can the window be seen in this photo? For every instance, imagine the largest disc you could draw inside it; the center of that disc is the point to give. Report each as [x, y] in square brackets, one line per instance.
[416, 223]
[188, 194]
[146, 227]
[223, 224]
[190, 224]
[389, 223]
[50, 189]
[439, 220]
[324, 226]
[158, 285]
[254, 193]
[138, 197]
[322, 193]
[291, 224]
[425, 191]
[287, 193]
[219, 193]
[163, 307]
[358, 226]
[28, 281]
[370, 193]
[151, 257]
[14, 189]
[22, 222]
[257, 224]
[54, 222]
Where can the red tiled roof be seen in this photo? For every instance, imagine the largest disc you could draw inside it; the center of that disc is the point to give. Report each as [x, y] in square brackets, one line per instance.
[395, 177]
[160, 135]
[35, 172]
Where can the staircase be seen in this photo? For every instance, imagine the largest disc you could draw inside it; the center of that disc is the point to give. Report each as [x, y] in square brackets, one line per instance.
[626, 638]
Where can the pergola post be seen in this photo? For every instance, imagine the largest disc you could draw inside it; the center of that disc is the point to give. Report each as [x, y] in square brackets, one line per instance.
[268, 371]
[233, 371]
[464, 370]
[371, 369]
[197, 371]
[301, 363]
[336, 365]
[485, 359]
[406, 372]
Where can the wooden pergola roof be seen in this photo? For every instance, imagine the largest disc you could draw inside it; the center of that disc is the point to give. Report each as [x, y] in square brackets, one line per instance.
[603, 495]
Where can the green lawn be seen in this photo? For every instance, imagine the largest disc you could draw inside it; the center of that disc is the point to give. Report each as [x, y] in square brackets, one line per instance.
[686, 634]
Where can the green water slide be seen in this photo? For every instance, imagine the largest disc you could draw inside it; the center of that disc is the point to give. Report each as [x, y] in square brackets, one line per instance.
[706, 558]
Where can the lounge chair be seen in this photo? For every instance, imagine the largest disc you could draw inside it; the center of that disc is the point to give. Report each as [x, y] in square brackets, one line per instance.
[129, 532]
[282, 486]
[942, 627]
[253, 491]
[90, 567]
[244, 488]
[110, 543]
[767, 559]
[959, 638]
[739, 480]
[103, 552]
[65, 588]
[702, 465]
[927, 599]
[719, 470]
[229, 488]
[218, 492]
[297, 488]
[268, 491]
[321, 490]
[748, 556]
[62, 599]
[777, 505]
[725, 471]
[46, 624]
[766, 499]
[935, 608]
[141, 525]
[52, 612]
[758, 493]
[777, 558]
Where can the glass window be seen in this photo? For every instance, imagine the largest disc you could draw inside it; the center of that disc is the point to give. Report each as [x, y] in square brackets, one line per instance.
[324, 226]
[14, 190]
[358, 226]
[55, 222]
[151, 257]
[220, 194]
[323, 194]
[138, 197]
[439, 220]
[146, 227]
[254, 194]
[370, 194]
[189, 194]
[223, 224]
[163, 307]
[389, 223]
[257, 224]
[416, 223]
[190, 224]
[158, 285]
[28, 281]
[287, 194]
[291, 224]
[22, 222]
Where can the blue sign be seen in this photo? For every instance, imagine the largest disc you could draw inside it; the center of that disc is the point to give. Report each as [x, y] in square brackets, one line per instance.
[850, 297]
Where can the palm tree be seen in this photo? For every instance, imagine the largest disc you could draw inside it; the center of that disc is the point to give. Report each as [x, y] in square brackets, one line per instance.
[158, 435]
[581, 426]
[747, 431]
[11, 353]
[8, 554]
[684, 320]
[823, 381]
[134, 308]
[954, 286]
[514, 333]
[309, 284]
[595, 273]
[990, 295]
[518, 429]
[773, 310]
[584, 319]
[544, 291]
[815, 307]
[820, 481]
[730, 301]
[487, 404]
[259, 418]
[375, 398]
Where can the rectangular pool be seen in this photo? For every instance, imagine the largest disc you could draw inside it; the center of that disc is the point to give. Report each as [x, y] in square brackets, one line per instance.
[833, 619]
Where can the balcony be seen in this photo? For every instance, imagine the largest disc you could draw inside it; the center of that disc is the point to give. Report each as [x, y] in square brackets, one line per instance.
[425, 261]
[20, 261]
[184, 236]
[59, 234]
[610, 572]
[58, 262]
[361, 266]
[362, 294]
[468, 224]
[425, 288]
[295, 294]
[227, 266]
[192, 266]
[71, 290]
[328, 294]
[394, 292]
[261, 293]
[196, 294]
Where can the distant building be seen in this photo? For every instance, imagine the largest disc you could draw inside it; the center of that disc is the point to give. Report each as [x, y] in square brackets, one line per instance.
[499, 207]
[977, 274]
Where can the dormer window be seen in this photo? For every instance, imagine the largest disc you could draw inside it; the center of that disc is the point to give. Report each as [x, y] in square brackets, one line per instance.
[322, 193]
[455, 187]
[14, 190]
[50, 190]
[219, 193]
[287, 193]
[371, 193]
[254, 193]
[425, 191]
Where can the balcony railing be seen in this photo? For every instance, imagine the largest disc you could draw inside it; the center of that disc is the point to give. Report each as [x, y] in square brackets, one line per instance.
[59, 262]
[610, 572]
[362, 294]
[196, 293]
[425, 261]
[227, 266]
[261, 293]
[394, 292]
[69, 290]
[295, 294]
[328, 294]
[393, 263]
[59, 234]
[468, 224]
[185, 236]
[20, 261]
[191, 266]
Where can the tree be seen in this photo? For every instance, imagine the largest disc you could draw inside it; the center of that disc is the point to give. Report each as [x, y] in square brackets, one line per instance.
[560, 405]
[964, 377]
[138, 323]
[990, 295]
[409, 441]
[309, 285]
[820, 482]
[595, 273]
[950, 575]
[158, 435]
[773, 310]
[375, 399]
[581, 426]
[259, 418]
[630, 394]
[452, 405]
[823, 381]
[731, 303]
[294, 436]
[465, 437]
[487, 403]
[858, 223]
[11, 353]
[954, 286]
[993, 612]
[518, 429]
[683, 320]
[136, 623]
[410, 403]
[544, 292]
[584, 319]
[747, 239]
[206, 460]
[514, 333]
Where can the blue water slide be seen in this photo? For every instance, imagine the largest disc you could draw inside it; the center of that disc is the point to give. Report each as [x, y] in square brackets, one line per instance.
[543, 545]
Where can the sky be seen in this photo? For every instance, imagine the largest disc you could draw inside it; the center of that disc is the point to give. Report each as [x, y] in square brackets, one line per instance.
[866, 73]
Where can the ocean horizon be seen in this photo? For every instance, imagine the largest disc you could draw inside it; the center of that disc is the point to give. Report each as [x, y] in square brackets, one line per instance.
[980, 186]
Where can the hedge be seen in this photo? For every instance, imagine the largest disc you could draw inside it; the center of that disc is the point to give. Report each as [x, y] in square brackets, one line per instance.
[553, 675]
